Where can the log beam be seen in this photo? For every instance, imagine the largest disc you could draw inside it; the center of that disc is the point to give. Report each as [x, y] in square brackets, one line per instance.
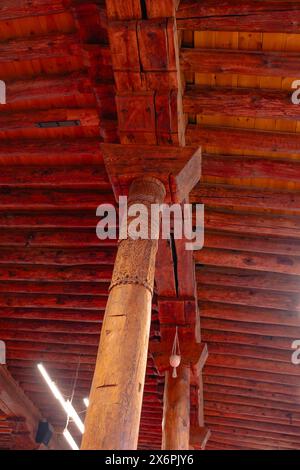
[176, 418]
[244, 139]
[14, 403]
[258, 103]
[271, 64]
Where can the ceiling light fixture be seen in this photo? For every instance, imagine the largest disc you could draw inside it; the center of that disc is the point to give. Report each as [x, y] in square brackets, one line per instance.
[70, 440]
[66, 404]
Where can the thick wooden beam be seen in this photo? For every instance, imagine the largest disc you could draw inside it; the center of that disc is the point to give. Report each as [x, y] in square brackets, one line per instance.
[47, 153]
[271, 64]
[176, 418]
[252, 314]
[10, 122]
[244, 139]
[222, 196]
[57, 257]
[230, 166]
[267, 16]
[257, 103]
[253, 244]
[13, 9]
[47, 199]
[248, 260]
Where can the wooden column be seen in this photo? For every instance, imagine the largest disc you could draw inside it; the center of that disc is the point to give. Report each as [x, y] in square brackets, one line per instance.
[113, 416]
[176, 417]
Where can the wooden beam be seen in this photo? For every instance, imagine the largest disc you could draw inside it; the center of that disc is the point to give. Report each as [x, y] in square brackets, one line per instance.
[67, 89]
[244, 139]
[179, 168]
[271, 64]
[230, 166]
[260, 376]
[250, 297]
[47, 199]
[244, 278]
[40, 273]
[248, 260]
[14, 9]
[10, 122]
[199, 437]
[256, 103]
[49, 46]
[176, 419]
[225, 311]
[268, 16]
[49, 153]
[13, 402]
[255, 244]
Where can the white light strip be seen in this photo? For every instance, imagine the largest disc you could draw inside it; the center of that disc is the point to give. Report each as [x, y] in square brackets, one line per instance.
[67, 405]
[86, 401]
[70, 440]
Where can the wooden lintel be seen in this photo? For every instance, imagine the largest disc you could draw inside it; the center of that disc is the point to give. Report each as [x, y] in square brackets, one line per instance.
[180, 166]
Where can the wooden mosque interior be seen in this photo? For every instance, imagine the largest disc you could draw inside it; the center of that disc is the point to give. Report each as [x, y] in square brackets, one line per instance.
[175, 101]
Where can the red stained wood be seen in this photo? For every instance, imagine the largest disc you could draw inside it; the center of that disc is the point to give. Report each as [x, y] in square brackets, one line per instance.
[241, 102]
[251, 314]
[117, 10]
[49, 153]
[271, 64]
[228, 196]
[243, 278]
[247, 260]
[263, 141]
[267, 16]
[229, 166]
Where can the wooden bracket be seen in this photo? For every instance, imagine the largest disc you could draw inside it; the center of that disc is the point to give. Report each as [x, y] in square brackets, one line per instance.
[179, 168]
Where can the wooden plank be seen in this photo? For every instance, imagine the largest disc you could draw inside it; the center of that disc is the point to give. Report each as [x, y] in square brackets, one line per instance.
[267, 16]
[244, 278]
[249, 296]
[124, 163]
[222, 196]
[261, 245]
[258, 103]
[244, 139]
[248, 260]
[271, 64]
[117, 10]
[50, 153]
[14, 403]
[225, 311]
[13, 9]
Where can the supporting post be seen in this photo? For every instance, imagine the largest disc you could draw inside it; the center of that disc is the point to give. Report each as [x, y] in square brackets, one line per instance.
[176, 417]
[113, 416]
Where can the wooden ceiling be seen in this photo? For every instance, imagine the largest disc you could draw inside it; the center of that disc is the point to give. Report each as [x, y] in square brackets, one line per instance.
[237, 63]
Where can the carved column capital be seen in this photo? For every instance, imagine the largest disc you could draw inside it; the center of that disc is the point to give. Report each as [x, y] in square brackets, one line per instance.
[135, 262]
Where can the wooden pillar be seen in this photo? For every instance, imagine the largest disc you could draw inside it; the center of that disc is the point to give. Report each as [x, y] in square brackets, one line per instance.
[113, 416]
[176, 417]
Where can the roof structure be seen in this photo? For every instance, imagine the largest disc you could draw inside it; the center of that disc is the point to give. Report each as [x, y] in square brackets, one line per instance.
[80, 73]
